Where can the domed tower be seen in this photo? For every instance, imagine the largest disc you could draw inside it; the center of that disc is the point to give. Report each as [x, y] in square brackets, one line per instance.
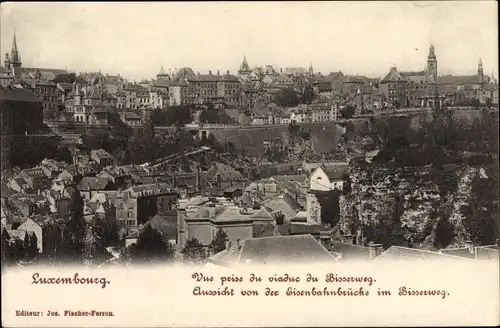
[432, 63]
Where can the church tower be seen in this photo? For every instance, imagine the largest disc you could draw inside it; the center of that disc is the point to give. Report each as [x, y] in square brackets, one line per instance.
[480, 71]
[432, 63]
[244, 68]
[15, 59]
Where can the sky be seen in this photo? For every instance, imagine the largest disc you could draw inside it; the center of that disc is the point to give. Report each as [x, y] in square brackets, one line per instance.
[365, 38]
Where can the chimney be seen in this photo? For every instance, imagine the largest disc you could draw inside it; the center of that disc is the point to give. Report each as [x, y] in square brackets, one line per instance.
[375, 250]
[228, 244]
[211, 210]
[238, 245]
[218, 73]
[209, 72]
[174, 182]
[470, 246]
[219, 182]
[227, 72]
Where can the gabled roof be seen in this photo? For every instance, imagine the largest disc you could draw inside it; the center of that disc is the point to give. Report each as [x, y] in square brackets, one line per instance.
[226, 258]
[154, 187]
[334, 171]
[405, 254]
[282, 249]
[226, 173]
[101, 153]
[351, 251]
[324, 86]
[162, 83]
[414, 73]
[461, 79]
[332, 76]
[354, 79]
[46, 73]
[262, 214]
[165, 223]
[302, 229]
[284, 204]
[263, 230]
[246, 201]
[295, 70]
[393, 76]
[18, 94]
[6, 191]
[300, 178]
[92, 183]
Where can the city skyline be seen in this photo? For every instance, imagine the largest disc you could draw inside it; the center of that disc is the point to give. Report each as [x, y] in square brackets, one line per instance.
[216, 36]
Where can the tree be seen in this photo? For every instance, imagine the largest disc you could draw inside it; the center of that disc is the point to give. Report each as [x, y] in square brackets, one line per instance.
[76, 225]
[158, 117]
[288, 97]
[348, 111]
[178, 115]
[308, 94]
[330, 209]
[65, 78]
[293, 129]
[219, 242]
[107, 231]
[193, 252]
[32, 247]
[151, 247]
[444, 233]
[481, 213]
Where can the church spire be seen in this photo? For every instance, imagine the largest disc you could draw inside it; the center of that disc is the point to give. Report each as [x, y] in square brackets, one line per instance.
[162, 71]
[14, 43]
[244, 68]
[14, 53]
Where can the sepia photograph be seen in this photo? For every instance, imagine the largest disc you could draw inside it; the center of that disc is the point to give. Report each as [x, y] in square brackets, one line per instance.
[226, 135]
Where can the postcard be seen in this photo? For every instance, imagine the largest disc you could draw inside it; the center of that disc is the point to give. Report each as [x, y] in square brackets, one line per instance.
[249, 164]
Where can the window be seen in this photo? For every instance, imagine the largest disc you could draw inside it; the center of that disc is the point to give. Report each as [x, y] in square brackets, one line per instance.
[130, 222]
[129, 214]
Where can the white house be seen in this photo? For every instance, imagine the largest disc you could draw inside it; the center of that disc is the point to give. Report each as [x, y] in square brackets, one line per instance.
[329, 177]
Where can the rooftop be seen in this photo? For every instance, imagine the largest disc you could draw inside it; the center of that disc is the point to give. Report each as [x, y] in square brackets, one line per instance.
[283, 249]
[18, 94]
